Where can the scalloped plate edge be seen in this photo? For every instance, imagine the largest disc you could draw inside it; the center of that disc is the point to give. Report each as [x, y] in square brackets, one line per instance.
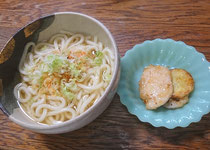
[197, 119]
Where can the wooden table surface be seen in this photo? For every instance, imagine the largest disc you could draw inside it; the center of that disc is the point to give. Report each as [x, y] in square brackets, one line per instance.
[130, 22]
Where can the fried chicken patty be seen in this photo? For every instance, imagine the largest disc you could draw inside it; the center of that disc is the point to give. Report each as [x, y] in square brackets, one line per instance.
[155, 86]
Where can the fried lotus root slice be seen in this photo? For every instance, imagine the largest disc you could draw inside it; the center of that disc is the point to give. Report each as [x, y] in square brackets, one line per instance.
[183, 83]
[155, 86]
[176, 103]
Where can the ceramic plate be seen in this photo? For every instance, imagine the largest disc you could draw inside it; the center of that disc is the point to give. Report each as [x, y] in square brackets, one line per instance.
[173, 54]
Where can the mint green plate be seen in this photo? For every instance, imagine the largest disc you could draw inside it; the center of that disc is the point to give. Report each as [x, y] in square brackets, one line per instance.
[173, 54]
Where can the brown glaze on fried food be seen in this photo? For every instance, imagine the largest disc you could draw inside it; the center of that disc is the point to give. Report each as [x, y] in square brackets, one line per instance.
[155, 86]
[183, 83]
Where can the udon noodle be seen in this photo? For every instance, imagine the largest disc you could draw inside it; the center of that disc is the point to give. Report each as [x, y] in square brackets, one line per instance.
[63, 77]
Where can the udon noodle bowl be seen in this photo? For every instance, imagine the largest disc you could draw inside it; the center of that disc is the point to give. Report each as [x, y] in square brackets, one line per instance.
[63, 77]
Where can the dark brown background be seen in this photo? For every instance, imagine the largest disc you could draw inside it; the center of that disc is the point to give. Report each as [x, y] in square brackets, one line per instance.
[130, 22]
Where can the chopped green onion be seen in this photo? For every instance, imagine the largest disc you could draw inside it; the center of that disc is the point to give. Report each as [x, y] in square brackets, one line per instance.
[99, 54]
[65, 90]
[57, 64]
[50, 58]
[97, 61]
[74, 71]
[69, 95]
[71, 85]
